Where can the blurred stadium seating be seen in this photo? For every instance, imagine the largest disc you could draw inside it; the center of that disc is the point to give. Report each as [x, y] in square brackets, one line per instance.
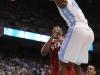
[40, 16]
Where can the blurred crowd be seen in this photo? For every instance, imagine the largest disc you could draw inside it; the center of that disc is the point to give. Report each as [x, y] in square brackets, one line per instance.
[42, 17]
[27, 62]
[38, 17]
[27, 17]
[23, 63]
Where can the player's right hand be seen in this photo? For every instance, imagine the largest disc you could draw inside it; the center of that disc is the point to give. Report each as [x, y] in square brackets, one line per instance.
[55, 35]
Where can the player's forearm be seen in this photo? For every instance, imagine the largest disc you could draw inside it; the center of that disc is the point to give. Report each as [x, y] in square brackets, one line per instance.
[45, 49]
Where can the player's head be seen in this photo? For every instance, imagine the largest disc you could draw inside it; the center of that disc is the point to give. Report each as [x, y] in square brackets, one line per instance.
[91, 70]
[58, 30]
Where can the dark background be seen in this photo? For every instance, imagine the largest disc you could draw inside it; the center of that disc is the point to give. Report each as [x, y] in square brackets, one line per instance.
[91, 9]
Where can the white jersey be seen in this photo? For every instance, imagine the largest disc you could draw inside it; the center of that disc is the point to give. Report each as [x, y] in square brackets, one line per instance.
[72, 14]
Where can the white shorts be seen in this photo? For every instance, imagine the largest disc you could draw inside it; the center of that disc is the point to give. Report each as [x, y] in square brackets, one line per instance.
[76, 45]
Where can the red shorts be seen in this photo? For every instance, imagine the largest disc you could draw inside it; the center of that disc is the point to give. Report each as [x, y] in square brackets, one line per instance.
[54, 72]
[69, 72]
[70, 69]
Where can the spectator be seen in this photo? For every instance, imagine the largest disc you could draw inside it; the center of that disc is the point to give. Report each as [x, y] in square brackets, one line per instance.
[91, 70]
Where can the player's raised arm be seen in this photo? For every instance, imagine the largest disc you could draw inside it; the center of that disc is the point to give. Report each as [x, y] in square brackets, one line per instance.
[61, 3]
[45, 49]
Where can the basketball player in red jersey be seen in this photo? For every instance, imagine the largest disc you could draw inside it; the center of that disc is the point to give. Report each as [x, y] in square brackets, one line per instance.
[53, 46]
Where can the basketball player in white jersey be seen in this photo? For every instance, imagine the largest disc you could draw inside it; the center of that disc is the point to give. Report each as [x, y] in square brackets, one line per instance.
[80, 36]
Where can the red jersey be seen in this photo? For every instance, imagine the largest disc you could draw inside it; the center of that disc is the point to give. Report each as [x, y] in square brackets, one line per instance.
[55, 47]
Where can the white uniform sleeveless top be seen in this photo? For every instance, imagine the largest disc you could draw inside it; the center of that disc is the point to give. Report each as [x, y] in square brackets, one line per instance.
[72, 14]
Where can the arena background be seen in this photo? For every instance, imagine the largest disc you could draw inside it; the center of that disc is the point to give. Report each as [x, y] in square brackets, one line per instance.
[40, 16]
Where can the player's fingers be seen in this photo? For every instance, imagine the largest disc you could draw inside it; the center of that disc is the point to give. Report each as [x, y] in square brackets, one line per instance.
[55, 34]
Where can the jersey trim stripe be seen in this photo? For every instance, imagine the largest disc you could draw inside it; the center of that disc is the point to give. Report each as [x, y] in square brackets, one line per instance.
[67, 15]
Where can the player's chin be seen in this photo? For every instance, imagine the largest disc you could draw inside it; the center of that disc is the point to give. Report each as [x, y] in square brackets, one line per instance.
[89, 73]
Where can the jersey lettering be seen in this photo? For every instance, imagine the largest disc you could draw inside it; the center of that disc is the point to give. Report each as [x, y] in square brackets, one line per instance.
[56, 45]
[52, 47]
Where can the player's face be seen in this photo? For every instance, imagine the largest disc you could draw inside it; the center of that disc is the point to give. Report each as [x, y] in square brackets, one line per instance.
[90, 70]
[59, 32]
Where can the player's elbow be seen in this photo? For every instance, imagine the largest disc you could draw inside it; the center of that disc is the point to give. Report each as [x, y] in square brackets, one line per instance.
[62, 4]
[43, 53]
